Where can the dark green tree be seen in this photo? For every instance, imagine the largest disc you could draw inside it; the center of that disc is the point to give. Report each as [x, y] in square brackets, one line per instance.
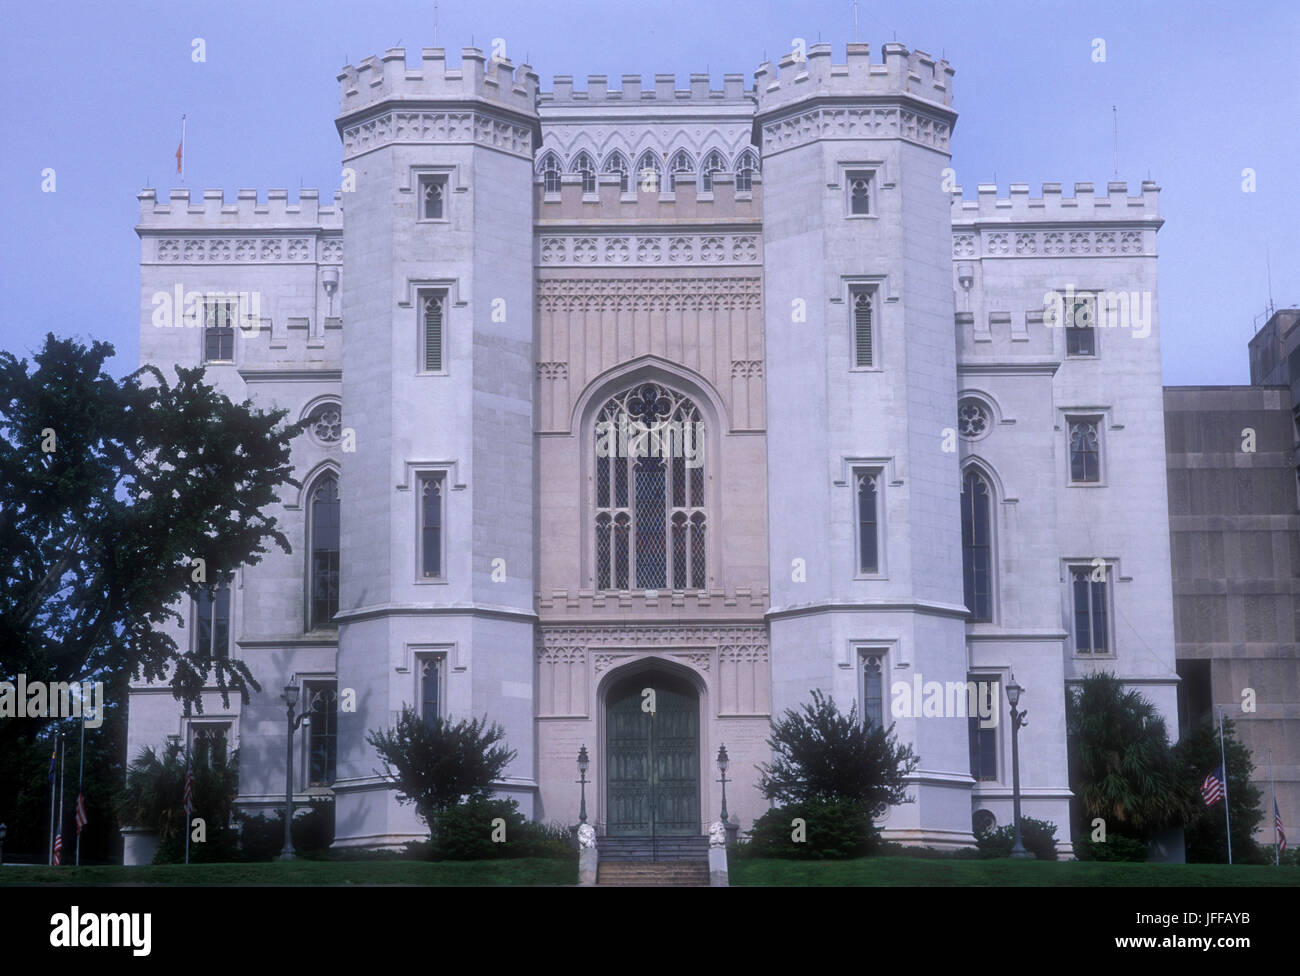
[109, 490]
[1122, 766]
[439, 763]
[1197, 755]
[821, 754]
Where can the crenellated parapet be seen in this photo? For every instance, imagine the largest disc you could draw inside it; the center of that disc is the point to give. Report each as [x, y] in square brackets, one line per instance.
[384, 79]
[901, 71]
[206, 229]
[907, 96]
[662, 91]
[1053, 225]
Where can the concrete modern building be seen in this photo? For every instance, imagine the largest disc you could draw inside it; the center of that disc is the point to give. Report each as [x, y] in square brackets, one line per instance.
[1235, 531]
[723, 395]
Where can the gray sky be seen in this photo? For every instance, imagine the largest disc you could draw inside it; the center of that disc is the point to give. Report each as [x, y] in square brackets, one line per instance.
[1204, 91]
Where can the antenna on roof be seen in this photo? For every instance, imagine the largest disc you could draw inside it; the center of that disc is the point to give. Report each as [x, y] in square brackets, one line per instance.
[435, 23]
[855, 21]
[1114, 112]
[1268, 269]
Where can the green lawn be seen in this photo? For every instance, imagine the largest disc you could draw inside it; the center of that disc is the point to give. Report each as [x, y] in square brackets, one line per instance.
[524, 871]
[1003, 872]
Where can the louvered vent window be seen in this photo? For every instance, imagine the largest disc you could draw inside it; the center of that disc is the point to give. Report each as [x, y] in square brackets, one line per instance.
[862, 337]
[432, 307]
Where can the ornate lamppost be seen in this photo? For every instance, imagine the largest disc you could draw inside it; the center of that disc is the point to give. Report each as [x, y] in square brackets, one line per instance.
[290, 699]
[583, 764]
[723, 762]
[1017, 720]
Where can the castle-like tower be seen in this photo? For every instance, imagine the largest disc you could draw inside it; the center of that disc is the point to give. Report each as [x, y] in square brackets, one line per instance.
[639, 413]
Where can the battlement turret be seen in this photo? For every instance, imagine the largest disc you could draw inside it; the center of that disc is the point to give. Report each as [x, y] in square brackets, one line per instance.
[386, 78]
[913, 73]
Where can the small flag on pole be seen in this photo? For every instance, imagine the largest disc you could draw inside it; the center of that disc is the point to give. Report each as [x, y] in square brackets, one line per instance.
[1281, 834]
[1212, 788]
[82, 819]
[189, 791]
[58, 847]
[52, 754]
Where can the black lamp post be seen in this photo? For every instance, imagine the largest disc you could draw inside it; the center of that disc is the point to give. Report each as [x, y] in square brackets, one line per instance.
[583, 764]
[3, 830]
[723, 762]
[1017, 720]
[290, 699]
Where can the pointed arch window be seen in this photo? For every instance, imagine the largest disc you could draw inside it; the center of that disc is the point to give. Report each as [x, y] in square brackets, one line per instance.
[323, 523]
[867, 489]
[431, 511]
[713, 163]
[584, 165]
[977, 545]
[681, 166]
[550, 173]
[651, 520]
[746, 167]
[649, 173]
[873, 689]
[616, 162]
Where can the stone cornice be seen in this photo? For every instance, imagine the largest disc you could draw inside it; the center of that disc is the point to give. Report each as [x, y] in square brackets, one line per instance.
[431, 123]
[891, 116]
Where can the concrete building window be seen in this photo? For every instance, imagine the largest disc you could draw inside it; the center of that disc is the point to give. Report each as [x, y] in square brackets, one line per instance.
[651, 520]
[616, 162]
[431, 525]
[323, 545]
[746, 167]
[429, 674]
[983, 741]
[649, 173]
[326, 420]
[859, 192]
[682, 166]
[867, 510]
[977, 546]
[1081, 326]
[219, 316]
[713, 163]
[873, 689]
[322, 701]
[433, 197]
[433, 305]
[212, 620]
[550, 173]
[1085, 449]
[863, 303]
[1090, 595]
[584, 165]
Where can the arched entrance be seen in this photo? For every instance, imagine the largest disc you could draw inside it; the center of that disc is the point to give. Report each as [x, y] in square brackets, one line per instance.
[652, 759]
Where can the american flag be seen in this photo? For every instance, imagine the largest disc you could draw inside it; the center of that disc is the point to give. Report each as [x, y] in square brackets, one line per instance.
[1281, 834]
[189, 791]
[1212, 788]
[82, 819]
[58, 846]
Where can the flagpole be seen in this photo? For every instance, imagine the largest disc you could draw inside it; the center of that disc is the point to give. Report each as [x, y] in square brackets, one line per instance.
[1277, 859]
[81, 778]
[53, 753]
[187, 807]
[182, 159]
[63, 762]
[1223, 757]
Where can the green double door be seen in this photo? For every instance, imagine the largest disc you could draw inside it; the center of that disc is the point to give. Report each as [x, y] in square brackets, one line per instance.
[652, 768]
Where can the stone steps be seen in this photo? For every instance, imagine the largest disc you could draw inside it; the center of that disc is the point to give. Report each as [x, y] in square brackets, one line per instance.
[659, 849]
[648, 874]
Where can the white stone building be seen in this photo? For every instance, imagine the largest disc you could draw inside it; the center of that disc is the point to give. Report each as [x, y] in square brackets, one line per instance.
[865, 460]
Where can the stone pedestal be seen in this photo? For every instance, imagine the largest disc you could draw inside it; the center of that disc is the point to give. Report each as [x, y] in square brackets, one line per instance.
[588, 859]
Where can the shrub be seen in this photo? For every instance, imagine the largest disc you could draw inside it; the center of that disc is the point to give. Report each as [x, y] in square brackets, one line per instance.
[261, 838]
[1115, 847]
[835, 829]
[466, 831]
[1038, 836]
